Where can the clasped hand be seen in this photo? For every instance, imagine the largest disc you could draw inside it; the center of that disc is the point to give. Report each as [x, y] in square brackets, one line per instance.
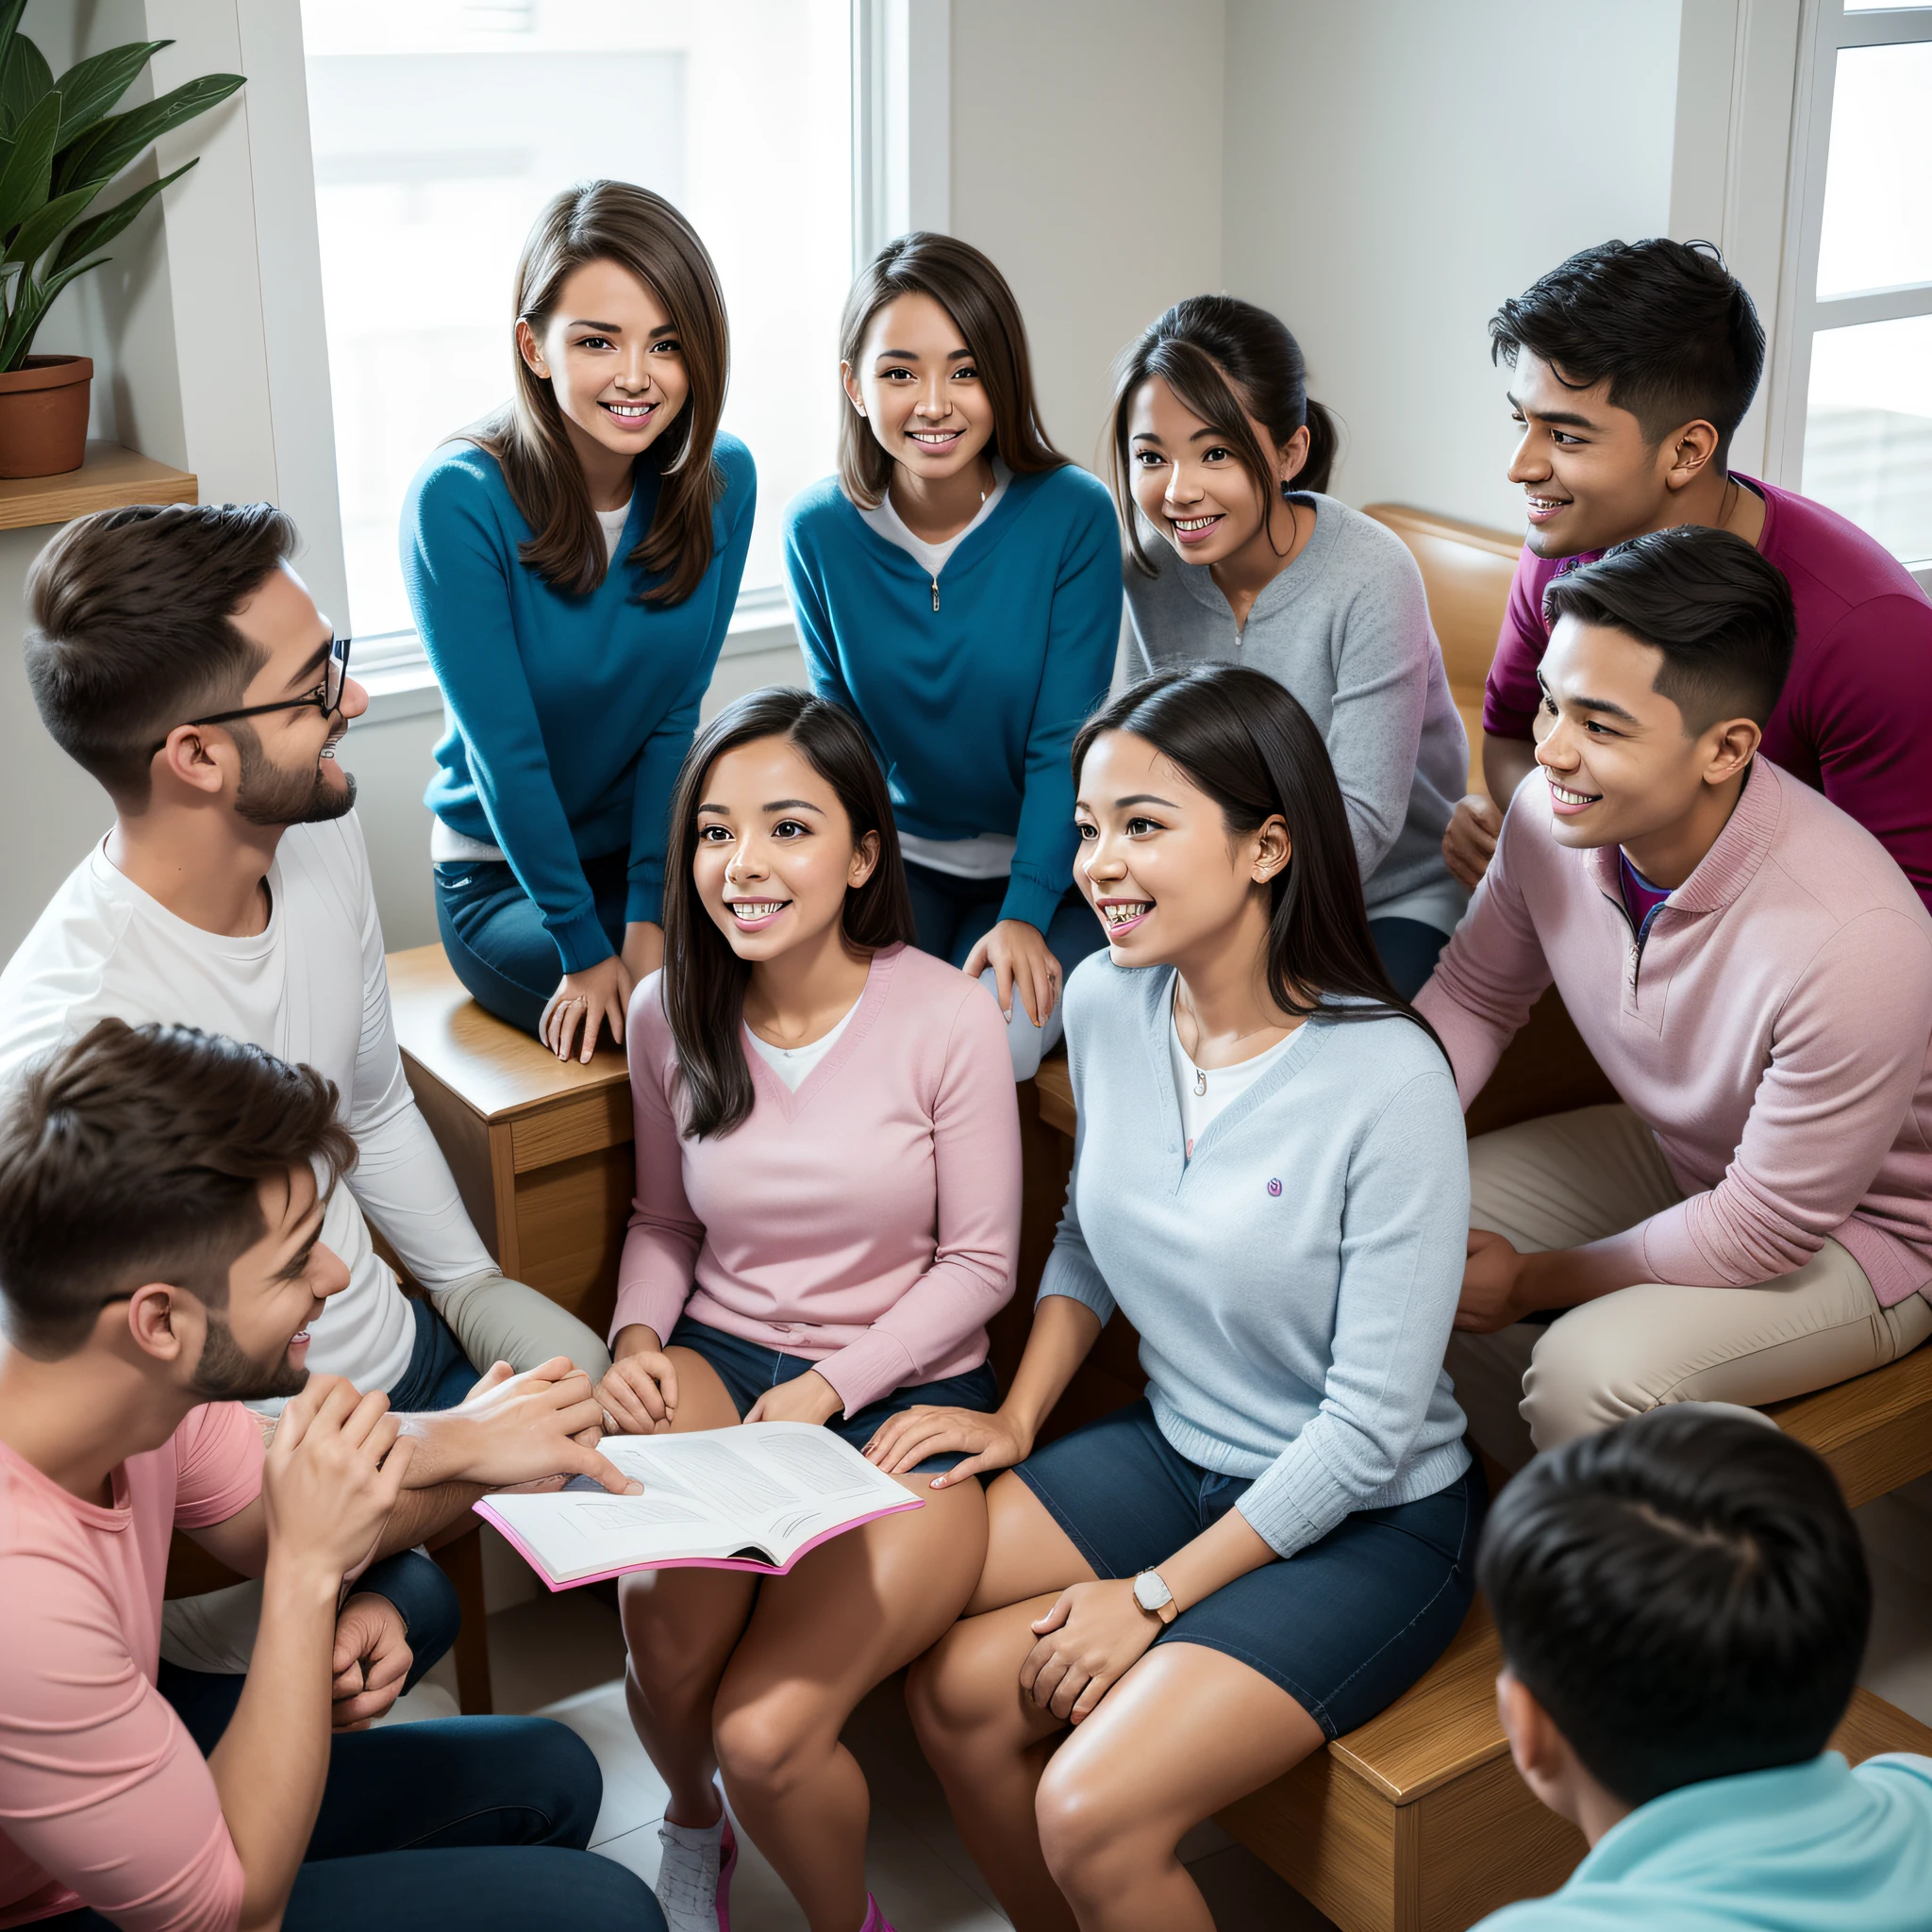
[540, 1426]
[1091, 1639]
[988, 1441]
[1492, 1285]
[370, 1660]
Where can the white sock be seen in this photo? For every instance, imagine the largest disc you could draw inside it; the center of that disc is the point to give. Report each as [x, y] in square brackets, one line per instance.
[695, 1838]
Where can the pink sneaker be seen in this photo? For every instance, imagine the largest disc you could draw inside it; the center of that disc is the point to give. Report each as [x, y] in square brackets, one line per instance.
[875, 1921]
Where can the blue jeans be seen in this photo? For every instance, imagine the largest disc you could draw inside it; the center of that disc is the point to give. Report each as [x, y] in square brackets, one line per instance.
[495, 938]
[439, 1375]
[477, 1821]
[950, 916]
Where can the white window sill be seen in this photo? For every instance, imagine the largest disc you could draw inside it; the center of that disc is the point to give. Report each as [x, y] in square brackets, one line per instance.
[762, 622]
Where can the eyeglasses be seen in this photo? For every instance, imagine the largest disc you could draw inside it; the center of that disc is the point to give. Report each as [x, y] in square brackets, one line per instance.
[326, 697]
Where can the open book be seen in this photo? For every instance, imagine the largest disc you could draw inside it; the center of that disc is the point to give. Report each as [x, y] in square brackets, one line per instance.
[755, 1497]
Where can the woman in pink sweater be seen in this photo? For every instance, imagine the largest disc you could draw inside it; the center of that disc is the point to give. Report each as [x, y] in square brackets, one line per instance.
[827, 1213]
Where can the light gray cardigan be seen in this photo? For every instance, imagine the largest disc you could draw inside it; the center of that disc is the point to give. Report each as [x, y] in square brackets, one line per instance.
[1293, 1284]
[1346, 628]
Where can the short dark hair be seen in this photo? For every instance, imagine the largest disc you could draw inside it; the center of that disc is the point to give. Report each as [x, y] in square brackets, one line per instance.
[704, 980]
[135, 1154]
[1685, 1594]
[1717, 610]
[131, 632]
[1673, 330]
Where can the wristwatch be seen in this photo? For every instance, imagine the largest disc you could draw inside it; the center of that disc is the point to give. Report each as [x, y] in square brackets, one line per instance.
[1154, 1597]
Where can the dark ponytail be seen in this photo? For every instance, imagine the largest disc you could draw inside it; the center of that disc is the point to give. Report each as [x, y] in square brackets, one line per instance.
[1225, 361]
[704, 980]
[1243, 739]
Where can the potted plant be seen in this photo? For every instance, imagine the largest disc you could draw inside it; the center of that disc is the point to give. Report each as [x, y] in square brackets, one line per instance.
[60, 145]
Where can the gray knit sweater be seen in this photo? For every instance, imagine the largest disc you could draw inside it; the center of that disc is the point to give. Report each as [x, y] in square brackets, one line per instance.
[1346, 628]
[1293, 1284]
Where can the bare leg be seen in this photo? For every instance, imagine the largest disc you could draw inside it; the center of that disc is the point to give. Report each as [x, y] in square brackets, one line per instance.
[988, 1742]
[854, 1611]
[681, 1627]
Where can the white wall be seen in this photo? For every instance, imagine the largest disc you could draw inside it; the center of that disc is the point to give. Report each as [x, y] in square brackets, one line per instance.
[1086, 162]
[1394, 168]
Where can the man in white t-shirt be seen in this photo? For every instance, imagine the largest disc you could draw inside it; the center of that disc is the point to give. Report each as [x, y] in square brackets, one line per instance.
[176, 656]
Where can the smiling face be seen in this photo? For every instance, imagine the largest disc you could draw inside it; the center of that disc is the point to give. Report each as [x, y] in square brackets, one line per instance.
[1158, 863]
[919, 389]
[1189, 484]
[775, 854]
[611, 355]
[286, 772]
[1621, 764]
[1590, 475]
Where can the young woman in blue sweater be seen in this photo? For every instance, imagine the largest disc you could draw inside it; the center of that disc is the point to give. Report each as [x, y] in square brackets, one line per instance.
[1269, 1181]
[957, 585]
[572, 563]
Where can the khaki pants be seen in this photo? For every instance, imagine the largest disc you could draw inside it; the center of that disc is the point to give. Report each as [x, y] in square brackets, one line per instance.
[1571, 1179]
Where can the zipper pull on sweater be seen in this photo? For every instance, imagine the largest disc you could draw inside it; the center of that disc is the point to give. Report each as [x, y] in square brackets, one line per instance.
[935, 596]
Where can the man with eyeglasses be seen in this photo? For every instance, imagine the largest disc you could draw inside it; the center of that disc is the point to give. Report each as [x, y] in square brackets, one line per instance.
[175, 654]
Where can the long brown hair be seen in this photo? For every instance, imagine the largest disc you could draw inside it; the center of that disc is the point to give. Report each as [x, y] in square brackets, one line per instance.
[975, 293]
[1245, 741]
[1225, 361]
[704, 980]
[614, 221]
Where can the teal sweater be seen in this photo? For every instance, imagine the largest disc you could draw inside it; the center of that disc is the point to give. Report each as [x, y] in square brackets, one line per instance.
[1293, 1284]
[972, 690]
[1806, 1848]
[569, 716]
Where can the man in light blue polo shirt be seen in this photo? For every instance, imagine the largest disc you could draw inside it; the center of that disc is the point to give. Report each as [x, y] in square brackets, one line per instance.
[1684, 1603]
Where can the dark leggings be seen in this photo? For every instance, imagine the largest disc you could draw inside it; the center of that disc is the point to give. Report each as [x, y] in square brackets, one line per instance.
[495, 938]
[1408, 950]
[477, 1821]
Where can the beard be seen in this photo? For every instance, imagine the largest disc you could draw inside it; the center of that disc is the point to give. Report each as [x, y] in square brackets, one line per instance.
[267, 795]
[228, 1373]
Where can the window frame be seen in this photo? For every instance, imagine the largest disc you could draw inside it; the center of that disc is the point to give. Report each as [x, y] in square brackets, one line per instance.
[1825, 28]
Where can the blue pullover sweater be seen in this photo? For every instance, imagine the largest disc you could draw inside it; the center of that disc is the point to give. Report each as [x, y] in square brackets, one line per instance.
[569, 716]
[972, 686]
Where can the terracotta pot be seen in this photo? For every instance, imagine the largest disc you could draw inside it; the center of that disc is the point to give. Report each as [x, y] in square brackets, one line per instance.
[43, 416]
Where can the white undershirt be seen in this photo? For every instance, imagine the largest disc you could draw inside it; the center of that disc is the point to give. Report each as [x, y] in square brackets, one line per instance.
[448, 846]
[793, 1063]
[1203, 1092]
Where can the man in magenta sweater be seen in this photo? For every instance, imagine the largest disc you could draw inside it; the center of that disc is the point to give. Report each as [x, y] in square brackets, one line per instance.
[1752, 972]
[1631, 366]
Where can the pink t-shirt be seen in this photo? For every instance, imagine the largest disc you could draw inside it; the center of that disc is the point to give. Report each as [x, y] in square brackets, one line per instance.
[104, 1799]
[1857, 711]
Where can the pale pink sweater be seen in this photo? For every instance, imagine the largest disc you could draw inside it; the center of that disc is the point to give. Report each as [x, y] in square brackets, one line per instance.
[1773, 1034]
[869, 1222]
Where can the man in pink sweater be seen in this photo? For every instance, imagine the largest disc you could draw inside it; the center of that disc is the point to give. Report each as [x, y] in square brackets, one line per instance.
[1754, 974]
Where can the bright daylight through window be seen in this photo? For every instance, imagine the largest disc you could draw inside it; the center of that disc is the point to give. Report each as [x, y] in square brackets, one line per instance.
[441, 127]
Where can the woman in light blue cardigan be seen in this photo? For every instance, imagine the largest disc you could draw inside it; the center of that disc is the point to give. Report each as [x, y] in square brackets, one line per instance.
[1270, 1181]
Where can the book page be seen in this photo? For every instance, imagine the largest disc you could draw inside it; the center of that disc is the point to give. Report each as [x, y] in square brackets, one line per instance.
[762, 1490]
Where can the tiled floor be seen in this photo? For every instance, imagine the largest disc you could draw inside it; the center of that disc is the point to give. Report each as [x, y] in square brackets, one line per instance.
[562, 1656]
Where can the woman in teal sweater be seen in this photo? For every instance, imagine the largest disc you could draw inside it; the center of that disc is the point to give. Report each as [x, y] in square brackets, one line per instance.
[572, 563]
[957, 585]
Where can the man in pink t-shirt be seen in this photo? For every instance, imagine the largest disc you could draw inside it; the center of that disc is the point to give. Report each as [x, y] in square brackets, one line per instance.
[1631, 367]
[161, 1196]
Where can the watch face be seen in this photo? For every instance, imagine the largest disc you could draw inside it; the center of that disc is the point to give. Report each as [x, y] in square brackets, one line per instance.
[1150, 1592]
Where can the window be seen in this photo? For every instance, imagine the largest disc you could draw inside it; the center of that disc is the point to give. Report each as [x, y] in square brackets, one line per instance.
[1858, 394]
[441, 127]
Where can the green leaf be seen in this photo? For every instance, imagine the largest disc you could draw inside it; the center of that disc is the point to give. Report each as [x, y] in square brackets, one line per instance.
[25, 80]
[11, 11]
[90, 88]
[99, 155]
[98, 230]
[24, 180]
[29, 310]
[41, 229]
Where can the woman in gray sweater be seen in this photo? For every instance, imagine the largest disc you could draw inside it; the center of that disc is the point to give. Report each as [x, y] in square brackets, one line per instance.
[1270, 1181]
[1220, 453]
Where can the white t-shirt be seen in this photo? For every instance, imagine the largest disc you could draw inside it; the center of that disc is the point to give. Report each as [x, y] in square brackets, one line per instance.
[448, 846]
[311, 987]
[1203, 1092]
[793, 1063]
[990, 855]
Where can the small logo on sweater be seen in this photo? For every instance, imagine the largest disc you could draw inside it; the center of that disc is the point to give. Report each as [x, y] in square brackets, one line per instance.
[1274, 1187]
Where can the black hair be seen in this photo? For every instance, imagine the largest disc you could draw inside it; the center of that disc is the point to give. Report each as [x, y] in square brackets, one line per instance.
[1225, 361]
[1686, 1596]
[1245, 740]
[1670, 327]
[704, 980]
[1719, 610]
